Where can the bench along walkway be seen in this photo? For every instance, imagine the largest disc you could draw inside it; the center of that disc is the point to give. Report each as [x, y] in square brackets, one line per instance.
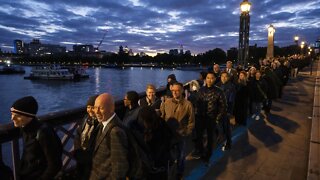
[276, 147]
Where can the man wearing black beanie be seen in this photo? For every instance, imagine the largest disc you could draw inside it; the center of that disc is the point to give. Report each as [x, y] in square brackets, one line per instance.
[42, 149]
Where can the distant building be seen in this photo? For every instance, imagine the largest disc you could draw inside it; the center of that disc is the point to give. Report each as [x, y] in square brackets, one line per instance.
[130, 52]
[174, 52]
[87, 48]
[121, 51]
[141, 54]
[35, 48]
[188, 52]
[18, 46]
[317, 46]
[181, 49]
[126, 50]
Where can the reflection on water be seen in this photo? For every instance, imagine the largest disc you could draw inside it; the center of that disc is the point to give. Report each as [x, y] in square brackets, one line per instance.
[59, 95]
[97, 78]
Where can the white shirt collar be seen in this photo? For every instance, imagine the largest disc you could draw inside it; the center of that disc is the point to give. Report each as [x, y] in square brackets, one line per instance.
[105, 123]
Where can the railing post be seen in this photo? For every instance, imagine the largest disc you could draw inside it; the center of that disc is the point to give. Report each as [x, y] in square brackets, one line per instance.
[15, 157]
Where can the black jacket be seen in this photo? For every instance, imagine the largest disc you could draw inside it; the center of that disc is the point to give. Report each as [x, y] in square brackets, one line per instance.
[155, 105]
[130, 116]
[229, 90]
[40, 157]
[212, 103]
[258, 90]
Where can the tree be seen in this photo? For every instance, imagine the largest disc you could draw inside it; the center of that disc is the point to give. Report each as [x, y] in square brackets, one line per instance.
[216, 55]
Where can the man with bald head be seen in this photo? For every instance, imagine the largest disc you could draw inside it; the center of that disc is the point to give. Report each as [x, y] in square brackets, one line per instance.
[110, 159]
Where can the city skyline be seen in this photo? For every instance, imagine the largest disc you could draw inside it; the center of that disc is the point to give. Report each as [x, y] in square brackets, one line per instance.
[155, 26]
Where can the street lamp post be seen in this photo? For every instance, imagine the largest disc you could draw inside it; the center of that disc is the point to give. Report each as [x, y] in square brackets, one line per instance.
[243, 53]
[302, 47]
[271, 31]
[310, 54]
[296, 40]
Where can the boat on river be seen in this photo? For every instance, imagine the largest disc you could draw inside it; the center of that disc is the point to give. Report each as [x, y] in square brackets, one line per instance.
[52, 72]
[191, 67]
[77, 71]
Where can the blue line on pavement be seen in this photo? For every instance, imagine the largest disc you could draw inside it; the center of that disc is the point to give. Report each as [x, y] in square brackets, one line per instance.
[201, 170]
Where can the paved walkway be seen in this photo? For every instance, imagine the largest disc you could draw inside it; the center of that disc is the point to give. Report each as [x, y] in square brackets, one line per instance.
[276, 147]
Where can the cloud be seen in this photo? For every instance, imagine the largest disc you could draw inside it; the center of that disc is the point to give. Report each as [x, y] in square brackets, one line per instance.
[155, 26]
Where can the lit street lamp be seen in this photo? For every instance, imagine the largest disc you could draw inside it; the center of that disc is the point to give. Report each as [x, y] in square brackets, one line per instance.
[309, 50]
[296, 39]
[302, 47]
[243, 53]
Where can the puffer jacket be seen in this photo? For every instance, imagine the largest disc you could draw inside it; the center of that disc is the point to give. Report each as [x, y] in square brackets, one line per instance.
[212, 103]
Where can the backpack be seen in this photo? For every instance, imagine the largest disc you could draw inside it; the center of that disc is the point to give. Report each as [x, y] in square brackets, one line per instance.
[140, 162]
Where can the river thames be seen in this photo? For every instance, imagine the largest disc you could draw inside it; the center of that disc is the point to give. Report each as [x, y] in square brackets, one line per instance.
[61, 95]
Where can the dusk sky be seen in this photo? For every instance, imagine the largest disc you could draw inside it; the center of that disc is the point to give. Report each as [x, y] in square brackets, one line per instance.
[155, 26]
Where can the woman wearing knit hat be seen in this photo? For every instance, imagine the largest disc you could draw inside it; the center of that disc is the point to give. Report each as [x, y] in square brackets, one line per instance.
[84, 139]
[42, 149]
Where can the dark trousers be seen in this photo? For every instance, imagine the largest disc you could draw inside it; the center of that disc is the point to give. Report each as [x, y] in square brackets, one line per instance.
[267, 105]
[207, 125]
[226, 128]
[179, 152]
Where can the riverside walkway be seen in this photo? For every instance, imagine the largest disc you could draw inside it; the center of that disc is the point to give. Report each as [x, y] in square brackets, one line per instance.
[276, 147]
[284, 145]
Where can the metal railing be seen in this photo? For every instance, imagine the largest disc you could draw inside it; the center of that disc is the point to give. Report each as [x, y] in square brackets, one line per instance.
[65, 123]
[314, 147]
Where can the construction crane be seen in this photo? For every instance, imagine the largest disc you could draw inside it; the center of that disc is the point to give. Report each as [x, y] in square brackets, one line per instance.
[104, 35]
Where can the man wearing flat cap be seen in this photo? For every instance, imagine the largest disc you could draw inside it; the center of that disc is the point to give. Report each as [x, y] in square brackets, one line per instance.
[41, 157]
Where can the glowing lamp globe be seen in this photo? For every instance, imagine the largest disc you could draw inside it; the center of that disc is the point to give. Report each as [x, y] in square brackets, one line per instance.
[245, 6]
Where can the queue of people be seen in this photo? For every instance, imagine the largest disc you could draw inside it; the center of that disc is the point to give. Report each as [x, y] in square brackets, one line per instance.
[154, 129]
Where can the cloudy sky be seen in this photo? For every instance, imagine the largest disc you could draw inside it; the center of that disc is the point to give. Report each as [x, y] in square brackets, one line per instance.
[155, 25]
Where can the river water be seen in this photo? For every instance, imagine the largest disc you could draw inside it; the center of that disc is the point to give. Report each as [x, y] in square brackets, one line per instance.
[60, 95]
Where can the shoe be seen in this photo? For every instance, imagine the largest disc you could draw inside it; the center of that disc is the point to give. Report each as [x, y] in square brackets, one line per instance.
[196, 155]
[257, 118]
[253, 116]
[226, 147]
